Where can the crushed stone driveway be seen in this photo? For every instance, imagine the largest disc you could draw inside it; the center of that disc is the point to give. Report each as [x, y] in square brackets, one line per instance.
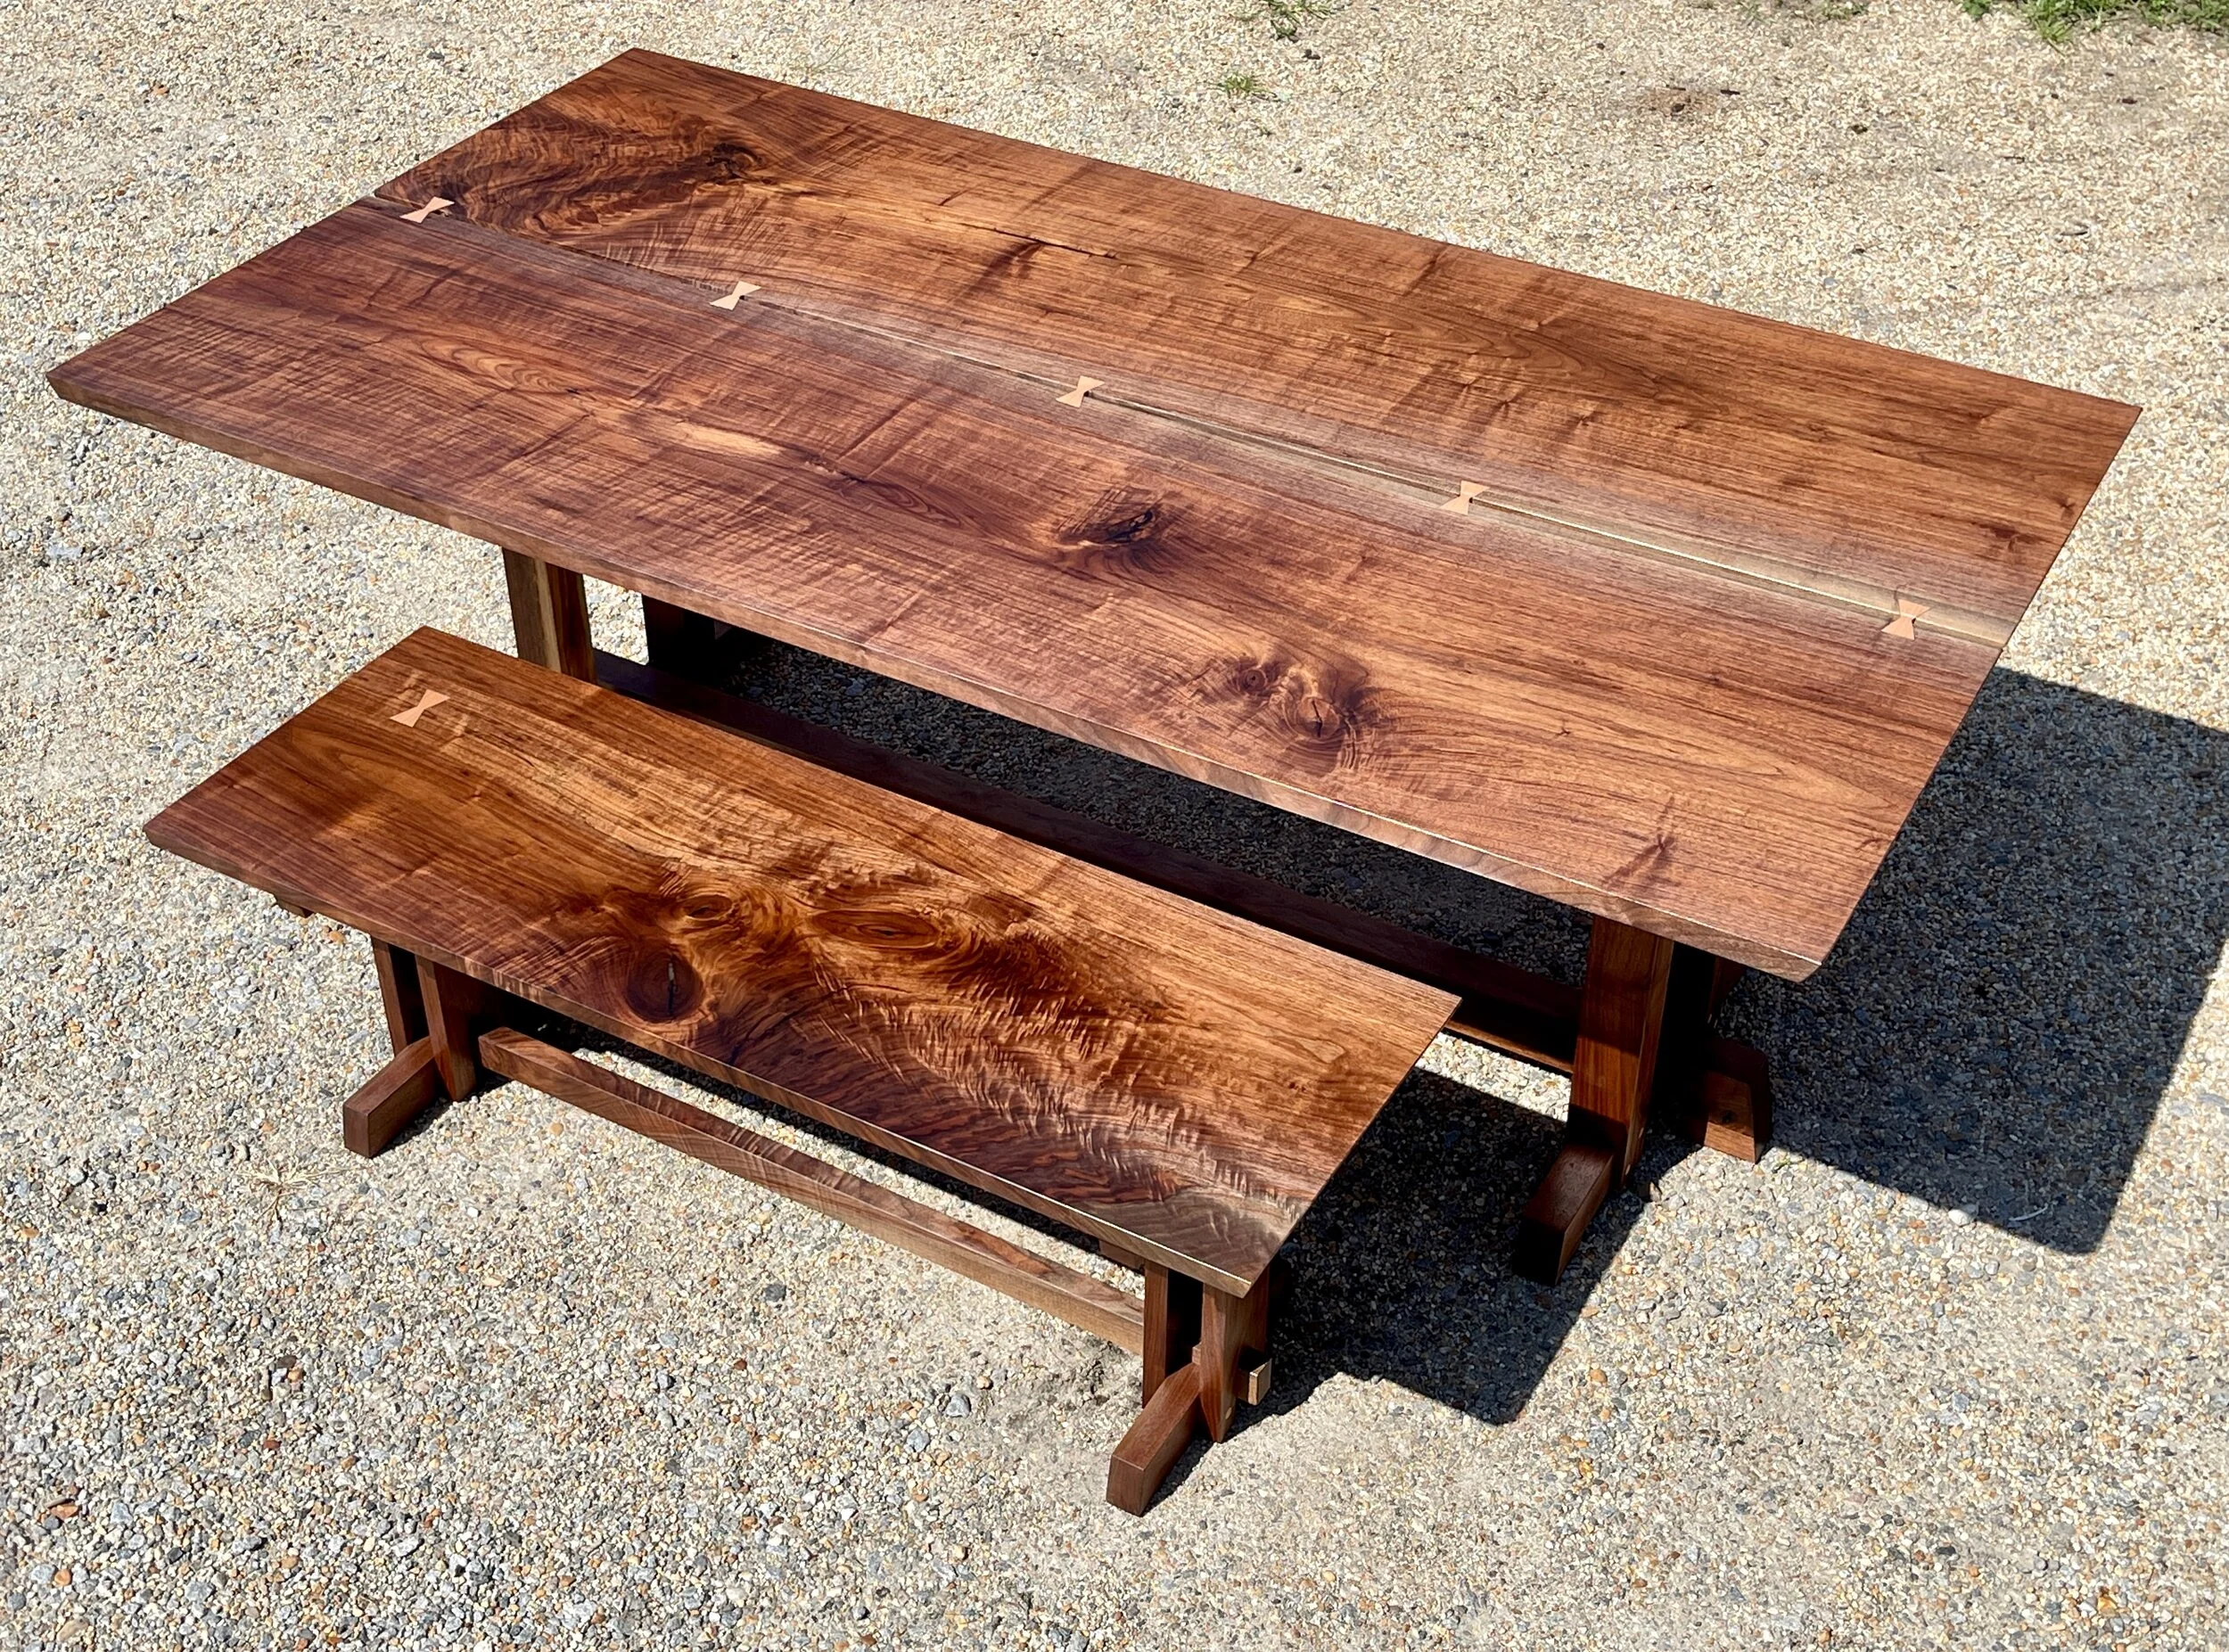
[1950, 1369]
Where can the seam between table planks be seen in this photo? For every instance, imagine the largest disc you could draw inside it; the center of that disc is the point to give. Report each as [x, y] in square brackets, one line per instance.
[1894, 607]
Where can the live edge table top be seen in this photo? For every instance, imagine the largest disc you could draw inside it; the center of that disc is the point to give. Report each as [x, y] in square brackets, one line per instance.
[1720, 594]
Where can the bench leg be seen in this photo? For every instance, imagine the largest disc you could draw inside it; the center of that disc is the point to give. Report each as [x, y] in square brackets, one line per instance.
[1683, 1048]
[1172, 1311]
[399, 995]
[1613, 1072]
[456, 1007]
[1229, 1339]
[549, 616]
[1233, 1353]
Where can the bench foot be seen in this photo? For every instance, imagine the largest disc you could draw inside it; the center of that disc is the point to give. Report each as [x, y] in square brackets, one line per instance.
[396, 1094]
[1164, 1428]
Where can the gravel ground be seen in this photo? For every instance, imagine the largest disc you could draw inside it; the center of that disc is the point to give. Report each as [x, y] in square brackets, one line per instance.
[1947, 1370]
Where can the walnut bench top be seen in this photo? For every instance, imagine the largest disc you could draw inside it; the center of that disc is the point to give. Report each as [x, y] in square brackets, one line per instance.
[1659, 610]
[1127, 1063]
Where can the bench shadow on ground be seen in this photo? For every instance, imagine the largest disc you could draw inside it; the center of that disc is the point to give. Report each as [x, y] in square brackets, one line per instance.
[1995, 1032]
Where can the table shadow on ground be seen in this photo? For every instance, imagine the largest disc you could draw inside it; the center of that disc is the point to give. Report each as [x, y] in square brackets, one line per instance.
[1996, 1027]
[2000, 1023]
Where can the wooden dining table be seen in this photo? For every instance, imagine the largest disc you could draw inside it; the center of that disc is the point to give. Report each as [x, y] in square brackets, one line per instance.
[1660, 611]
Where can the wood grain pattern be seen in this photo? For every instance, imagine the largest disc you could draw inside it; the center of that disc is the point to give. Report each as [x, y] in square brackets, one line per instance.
[964, 1248]
[1516, 1010]
[1126, 1063]
[1621, 1026]
[1721, 762]
[1696, 429]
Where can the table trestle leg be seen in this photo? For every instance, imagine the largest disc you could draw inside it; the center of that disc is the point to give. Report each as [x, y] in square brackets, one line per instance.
[693, 646]
[677, 641]
[1713, 1091]
[549, 615]
[1613, 1073]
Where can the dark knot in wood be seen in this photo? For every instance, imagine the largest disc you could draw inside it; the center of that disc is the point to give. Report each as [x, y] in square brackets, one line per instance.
[1126, 534]
[1326, 711]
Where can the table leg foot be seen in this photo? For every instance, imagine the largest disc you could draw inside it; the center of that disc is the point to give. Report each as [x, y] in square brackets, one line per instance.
[1731, 1111]
[1555, 1217]
[1644, 1035]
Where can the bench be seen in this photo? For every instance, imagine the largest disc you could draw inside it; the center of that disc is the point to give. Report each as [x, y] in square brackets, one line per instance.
[1171, 1081]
